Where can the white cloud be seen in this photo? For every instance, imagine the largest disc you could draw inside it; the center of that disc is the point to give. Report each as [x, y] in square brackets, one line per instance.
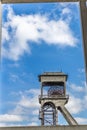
[77, 88]
[81, 120]
[66, 11]
[9, 124]
[5, 34]
[18, 110]
[35, 112]
[85, 100]
[81, 70]
[25, 109]
[14, 77]
[10, 118]
[67, 4]
[29, 102]
[28, 106]
[36, 28]
[75, 105]
[3, 124]
[33, 124]
[34, 92]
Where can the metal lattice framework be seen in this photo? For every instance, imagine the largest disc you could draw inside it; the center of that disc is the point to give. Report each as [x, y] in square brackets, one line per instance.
[56, 91]
[49, 114]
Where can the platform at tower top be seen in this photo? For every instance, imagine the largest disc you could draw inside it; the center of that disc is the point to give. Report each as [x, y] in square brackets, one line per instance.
[77, 127]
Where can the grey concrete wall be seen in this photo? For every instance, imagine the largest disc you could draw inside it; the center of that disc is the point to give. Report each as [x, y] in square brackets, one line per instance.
[29, 1]
[80, 127]
[83, 10]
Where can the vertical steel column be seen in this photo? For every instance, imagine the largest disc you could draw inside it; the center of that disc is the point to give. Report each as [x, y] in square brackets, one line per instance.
[0, 24]
[41, 90]
[56, 116]
[64, 88]
[83, 11]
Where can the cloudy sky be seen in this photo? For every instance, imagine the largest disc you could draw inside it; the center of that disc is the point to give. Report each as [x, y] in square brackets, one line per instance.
[37, 38]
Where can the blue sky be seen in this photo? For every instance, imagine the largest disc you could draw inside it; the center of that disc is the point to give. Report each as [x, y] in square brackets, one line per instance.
[37, 38]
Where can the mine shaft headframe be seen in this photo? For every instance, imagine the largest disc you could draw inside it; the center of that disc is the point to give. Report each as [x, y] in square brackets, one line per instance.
[53, 98]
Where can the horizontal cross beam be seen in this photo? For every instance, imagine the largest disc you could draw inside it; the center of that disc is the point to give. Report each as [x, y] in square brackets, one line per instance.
[37, 1]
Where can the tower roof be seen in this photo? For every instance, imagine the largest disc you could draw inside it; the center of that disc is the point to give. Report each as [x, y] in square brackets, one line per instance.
[46, 74]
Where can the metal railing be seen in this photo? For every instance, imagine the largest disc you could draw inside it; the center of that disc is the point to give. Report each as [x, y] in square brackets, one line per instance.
[53, 96]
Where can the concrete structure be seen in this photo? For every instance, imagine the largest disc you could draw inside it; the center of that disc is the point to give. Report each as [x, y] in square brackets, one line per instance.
[35, 1]
[83, 9]
[80, 127]
[53, 98]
